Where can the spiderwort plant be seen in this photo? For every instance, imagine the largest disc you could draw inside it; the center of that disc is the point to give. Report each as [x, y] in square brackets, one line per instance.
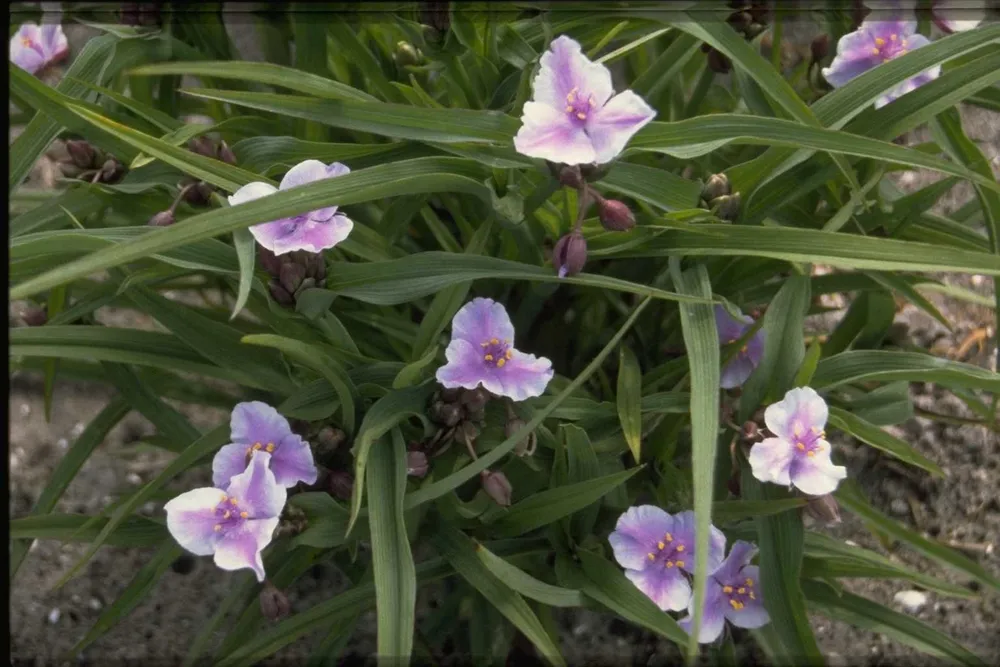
[732, 594]
[34, 48]
[314, 231]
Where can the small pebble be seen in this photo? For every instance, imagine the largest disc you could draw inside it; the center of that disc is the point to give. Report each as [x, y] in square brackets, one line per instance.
[54, 616]
[133, 479]
[899, 507]
[911, 601]
[77, 429]
[149, 508]
[63, 443]
[95, 604]
[25, 409]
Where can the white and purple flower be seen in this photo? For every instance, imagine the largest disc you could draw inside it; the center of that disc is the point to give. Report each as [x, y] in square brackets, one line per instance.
[574, 116]
[958, 15]
[235, 524]
[314, 231]
[256, 426]
[880, 38]
[799, 453]
[33, 48]
[481, 352]
[739, 368]
[732, 593]
[656, 549]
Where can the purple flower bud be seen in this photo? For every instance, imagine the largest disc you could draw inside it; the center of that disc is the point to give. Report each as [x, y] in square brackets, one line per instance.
[280, 294]
[226, 153]
[341, 484]
[83, 154]
[35, 316]
[716, 186]
[824, 508]
[203, 146]
[571, 177]
[416, 464]
[497, 487]
[615, 215]
[315, 266]
[820, 47]
[274, 604]
[269, 261]
[525, 447]
[718, 63]
[162, 219]
[750, 430]
[291, 276]
[475, 400]
[452, 394]
[447, 414]
[328, 440]
[112, 171]
[570, 254]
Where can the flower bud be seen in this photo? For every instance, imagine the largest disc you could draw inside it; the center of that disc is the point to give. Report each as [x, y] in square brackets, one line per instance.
[315, 267]
[820, 46]
[304, 285]
[525, 447]
[447, 414]
[162, 219]
[434, 13]
[571, 177]
[112, 171]
[406, 54]
[727, 207]
[466, 433]
[497, 487]
[750, 430]
[226, 153]
[35, 316]
[416, 464]
[269, 261]
[824, 509]
[280, 294]
[570, 254]
[705, 47]
[274, 604]
[740, 21]
[203, 146]
[341, 484]
[615, 215]
[199, 194]
[291, 276]
[451, 394]
[328, 440]
[718, 63]
[717, 185]
[475, 399]
[82, 153]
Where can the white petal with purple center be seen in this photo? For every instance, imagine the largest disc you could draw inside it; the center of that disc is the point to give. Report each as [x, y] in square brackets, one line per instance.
[770, 460]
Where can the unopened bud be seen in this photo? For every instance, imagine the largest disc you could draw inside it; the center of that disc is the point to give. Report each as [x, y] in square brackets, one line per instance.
[416, 464]
[162, 219]
[824, 508]
[112, 171]
[718, 63]
[571, 177]
[291, 276]
[615, 215]
[316, 267]
[754, 30]
[740, 21]
[570, 254]
[750, 430]
[727, 207]
[35, 316]
[525, 447]
[717, 185]
[305, 284]
[280, 294]
[198, 194]
[274, 604]
[328, 440]
[406, 54]
[341, 484]
[451, 394]
[203, 146]
[446, 414]
[820, 46]
[82, 153]
[497, 487]
[466, 433]
[226, 153]
[269, 261]
[475, 399]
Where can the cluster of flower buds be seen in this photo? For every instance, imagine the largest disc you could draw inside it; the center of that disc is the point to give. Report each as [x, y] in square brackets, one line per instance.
[292, 521]
[748, 18]
[145, 14]
[407, 55]
[87, 161]
[35, 316]
[718, 197]
[291, 273]
[200, 192]
[458, 413]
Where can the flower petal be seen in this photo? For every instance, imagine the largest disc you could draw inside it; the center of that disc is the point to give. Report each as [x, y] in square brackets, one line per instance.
[255, 489]
[611, 126]
[549, 134]
[303, 233]
[740, 555]
[241, 549]
[752, 614]
[292, 462]
[250, 192]
[817, 475]
[480, 320]
[729, 328]
[684, 533]
[54, 44]
[563, 68]
[636, 534]
[667, 588]
[464, 368]
[524, 376]
[736, 372]
[191, 519]
[309, 171]
[713, 618]
[229, 461]
[801, 407]
[770, 460]
[256, 421]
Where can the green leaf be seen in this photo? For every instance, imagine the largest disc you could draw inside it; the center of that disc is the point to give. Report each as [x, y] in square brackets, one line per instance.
[726, 511]
[413, 372]
[630, 399]
[460, 552]
[887, 366]
[395, 577]
[244, 244]
[133, 531]
[876, 437]
[527, 585]
[165, 418]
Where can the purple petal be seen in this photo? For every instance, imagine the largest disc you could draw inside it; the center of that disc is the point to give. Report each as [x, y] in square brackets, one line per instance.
[752, 614]
[817, 475]
[611, 126]
[801, 410]
[524, 376]
[464, 367]
[255, 489]
[666, 587]
[959, 15]
[736, 372]
[229, 461]
[257, 422]
[481, 320]
[770, 460]
[740, 555]
[26, 57]
[713, 618]
[636, 534]
[303, 173]
[549, 134]
[302, 233]
[684, 533]
[755, 347]
[854, 57]
[250, 192]
[53, 41]
[241, 549]
[564, 69]
[292, 462]
[728, 327]
[191, 519]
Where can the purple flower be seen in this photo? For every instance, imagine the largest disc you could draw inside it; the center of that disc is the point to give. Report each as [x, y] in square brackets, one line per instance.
[958, 15]
[739, 368]
[656, 549]
[575, 117]
[256, 426]
[799, 454]
[34, 48]
[876, 42]
[482, 352]
[732, 593]
[313, 231]
[235, 524]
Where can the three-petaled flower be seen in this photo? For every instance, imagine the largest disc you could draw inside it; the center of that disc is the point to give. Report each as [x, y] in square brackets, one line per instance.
[732, 593]
[799, 453]
[739, 368]
[256, 426]
[481, 352]
[656, 549]
[235, 524]
[33, 48]
[574, 116]
[313, 231]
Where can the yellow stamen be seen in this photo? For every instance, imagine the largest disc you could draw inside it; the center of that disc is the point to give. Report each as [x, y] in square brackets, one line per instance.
[727, 589]
[801, 446]
[669, 563]
[571, 95]
[879, 41]
[797, 430]
[224, 498]
[244, 515]
[233, 501]
[581, 116]
[651, 556]
[893, 37]
[669, 537]
[508, 354]
[875, 51]
[488, 357]
[680, 563]
[810, 454]
[256, 445]
[752, 596]
[25, 41]
[590, 101]
[501, 362]
[734, 604]
[227, 514]
[660, 546]
[569, 109]
[494, 341]
[749, 582]
[680, 547]
[270, 447]
[741, 590]
[218, 527]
